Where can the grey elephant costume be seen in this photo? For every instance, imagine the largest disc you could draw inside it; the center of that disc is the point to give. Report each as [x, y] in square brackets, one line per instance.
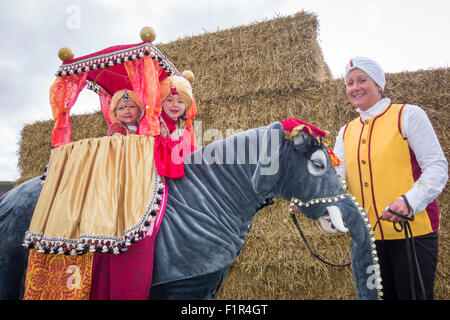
[210, 211]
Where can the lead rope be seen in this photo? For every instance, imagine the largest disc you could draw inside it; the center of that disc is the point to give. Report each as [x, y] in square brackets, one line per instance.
[409, 241]
[311, 251]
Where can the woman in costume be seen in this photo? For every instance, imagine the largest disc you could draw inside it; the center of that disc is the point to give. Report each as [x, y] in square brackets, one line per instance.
[126, 110]
[395, 167]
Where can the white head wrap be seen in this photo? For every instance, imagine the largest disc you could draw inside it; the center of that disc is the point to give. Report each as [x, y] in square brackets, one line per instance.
[370, 67]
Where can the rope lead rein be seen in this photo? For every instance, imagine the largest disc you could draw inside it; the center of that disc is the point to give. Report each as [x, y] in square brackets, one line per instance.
[309, 248]
[409, 242]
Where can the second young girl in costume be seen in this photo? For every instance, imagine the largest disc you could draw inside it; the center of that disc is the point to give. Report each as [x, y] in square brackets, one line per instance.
[172, 146]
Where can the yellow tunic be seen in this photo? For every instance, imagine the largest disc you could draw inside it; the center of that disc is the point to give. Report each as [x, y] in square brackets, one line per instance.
[381, 167]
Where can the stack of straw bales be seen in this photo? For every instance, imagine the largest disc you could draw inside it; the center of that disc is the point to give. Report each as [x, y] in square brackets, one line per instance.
[251, 76]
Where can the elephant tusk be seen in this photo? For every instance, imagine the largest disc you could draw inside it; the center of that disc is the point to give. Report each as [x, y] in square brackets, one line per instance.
[327, 225]
[336, 218]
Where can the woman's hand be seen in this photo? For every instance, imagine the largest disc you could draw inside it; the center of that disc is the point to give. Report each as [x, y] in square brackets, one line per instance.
[399, 206]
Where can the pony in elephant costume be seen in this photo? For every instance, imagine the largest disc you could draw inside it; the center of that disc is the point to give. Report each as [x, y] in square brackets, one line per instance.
[210, 211]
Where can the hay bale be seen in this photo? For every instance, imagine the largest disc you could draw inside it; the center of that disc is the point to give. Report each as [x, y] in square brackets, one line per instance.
[280, 55]
[251, 76]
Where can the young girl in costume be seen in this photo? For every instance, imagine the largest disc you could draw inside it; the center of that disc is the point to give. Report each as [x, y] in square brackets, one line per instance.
[172, 146]
[126, 110]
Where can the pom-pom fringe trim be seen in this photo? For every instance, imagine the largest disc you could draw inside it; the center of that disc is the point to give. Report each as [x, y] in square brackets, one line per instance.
[118, 57]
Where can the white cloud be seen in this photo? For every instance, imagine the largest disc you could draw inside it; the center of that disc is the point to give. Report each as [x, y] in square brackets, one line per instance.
[8, 158]
[374, 18]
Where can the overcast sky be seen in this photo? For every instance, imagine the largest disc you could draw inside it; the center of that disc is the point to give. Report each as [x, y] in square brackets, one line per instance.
[401, 35]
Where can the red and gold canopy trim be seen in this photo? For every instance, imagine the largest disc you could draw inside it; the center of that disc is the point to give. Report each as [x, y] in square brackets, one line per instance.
[115, 55]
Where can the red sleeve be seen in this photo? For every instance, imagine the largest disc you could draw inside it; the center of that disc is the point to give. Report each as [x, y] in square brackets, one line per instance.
[116, 128]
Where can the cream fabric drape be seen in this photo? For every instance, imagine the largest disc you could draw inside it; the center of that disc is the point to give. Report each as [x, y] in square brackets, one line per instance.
[97, 191]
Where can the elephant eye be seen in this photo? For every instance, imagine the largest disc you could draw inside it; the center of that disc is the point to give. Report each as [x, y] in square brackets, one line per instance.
[317, 164]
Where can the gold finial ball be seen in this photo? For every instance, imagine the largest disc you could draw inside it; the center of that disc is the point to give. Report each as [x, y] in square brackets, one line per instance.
[148, 34]
[65, 54]
[188, 74]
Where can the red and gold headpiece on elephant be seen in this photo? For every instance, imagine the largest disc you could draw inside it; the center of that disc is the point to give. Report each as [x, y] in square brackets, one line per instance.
[293, 126]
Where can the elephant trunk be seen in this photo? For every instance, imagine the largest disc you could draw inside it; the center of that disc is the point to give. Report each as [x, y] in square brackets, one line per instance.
[365, 267]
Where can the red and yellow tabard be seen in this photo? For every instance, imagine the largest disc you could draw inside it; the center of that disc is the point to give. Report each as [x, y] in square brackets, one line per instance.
[381, 167]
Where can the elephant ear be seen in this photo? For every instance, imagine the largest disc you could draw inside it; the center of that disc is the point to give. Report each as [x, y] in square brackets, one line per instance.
[267, 168]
